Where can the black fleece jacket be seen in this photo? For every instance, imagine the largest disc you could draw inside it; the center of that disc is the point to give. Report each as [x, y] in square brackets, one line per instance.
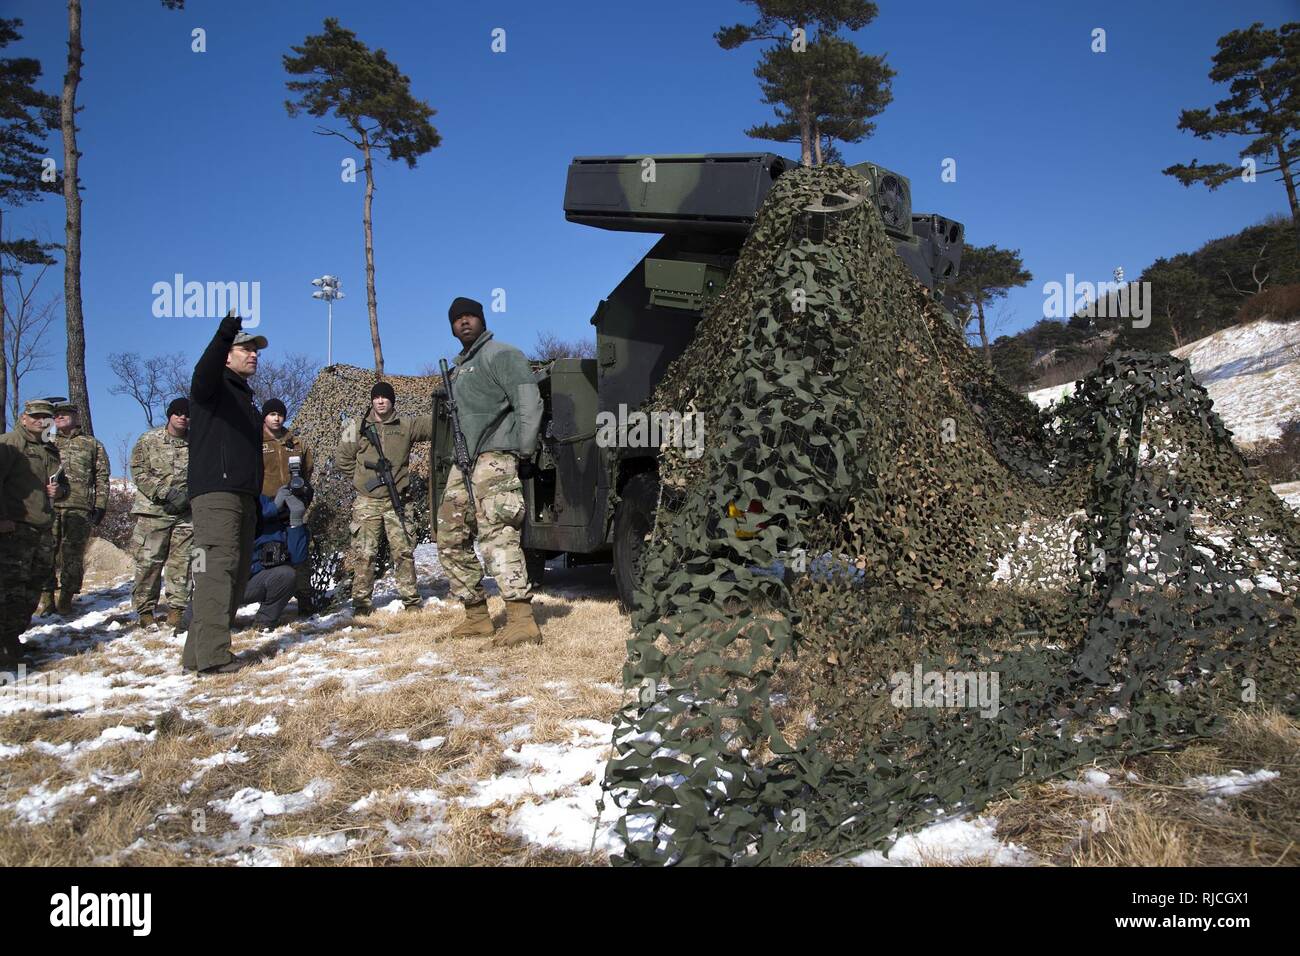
[225, 424]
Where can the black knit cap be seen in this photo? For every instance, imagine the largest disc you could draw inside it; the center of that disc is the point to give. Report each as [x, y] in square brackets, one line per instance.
[179, 406]
[275, 405]
[384, 390]
[463, 306]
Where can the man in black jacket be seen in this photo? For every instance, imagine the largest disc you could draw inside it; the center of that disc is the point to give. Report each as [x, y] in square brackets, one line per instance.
[225, 479]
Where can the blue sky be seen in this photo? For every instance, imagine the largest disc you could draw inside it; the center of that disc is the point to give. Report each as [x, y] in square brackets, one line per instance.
[192, 166]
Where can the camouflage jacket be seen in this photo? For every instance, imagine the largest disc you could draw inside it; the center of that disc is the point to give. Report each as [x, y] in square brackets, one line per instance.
[497, 399]
[26, 465]
[86, 464]
[158, 466]
[276, 451]
[355, 454]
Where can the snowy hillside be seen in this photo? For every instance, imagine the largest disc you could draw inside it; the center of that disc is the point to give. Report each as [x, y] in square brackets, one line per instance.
[1251, 371]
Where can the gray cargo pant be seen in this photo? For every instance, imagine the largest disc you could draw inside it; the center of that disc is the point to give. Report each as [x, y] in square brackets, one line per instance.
[224, 525]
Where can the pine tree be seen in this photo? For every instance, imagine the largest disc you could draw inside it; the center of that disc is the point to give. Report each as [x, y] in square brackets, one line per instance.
[1262, 70]
[818, 84]
[372, 97]
[848, 89]
[987, 273]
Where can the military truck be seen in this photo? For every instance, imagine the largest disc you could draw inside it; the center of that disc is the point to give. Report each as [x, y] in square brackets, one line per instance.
[595, 504]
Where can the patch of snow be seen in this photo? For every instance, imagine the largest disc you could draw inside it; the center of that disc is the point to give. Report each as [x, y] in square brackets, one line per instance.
[205, 764]
[249, 805]
[1231, 784]
[1095, 783]
[268, 726]
[40, 803]
[557, 787]
[322, 844]
[951, 841]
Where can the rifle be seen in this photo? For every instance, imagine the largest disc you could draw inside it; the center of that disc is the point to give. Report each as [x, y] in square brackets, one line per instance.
[385, 471]
[460, 449]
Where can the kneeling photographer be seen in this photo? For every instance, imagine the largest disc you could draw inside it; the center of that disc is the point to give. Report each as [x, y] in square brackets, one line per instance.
[286, 459]
[280, 548]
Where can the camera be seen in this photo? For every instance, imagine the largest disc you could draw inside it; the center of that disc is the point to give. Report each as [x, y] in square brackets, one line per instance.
[298, 485]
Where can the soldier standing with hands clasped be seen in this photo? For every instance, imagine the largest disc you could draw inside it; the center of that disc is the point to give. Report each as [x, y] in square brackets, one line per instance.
[500, 412]
[85, 463]
[162, 541]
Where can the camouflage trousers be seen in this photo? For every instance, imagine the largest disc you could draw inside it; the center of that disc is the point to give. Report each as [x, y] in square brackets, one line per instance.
[161, 546]
[494, 523]
[26, 560]
[372, 520]
[72, 531]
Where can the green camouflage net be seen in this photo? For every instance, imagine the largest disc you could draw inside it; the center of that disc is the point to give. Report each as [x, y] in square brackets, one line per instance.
[1108, 563]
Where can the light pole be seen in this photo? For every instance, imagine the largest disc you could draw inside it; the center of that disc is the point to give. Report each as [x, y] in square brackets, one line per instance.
[327, 288]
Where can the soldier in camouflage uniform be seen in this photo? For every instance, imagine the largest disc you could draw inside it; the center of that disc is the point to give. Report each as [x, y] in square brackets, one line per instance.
[86, 465]
[30, 481]
[500, 412]
[164, 527]
[373, 516]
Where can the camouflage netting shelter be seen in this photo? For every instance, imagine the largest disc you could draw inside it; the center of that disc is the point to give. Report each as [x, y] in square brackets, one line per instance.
[341, 392]
[1108, 563]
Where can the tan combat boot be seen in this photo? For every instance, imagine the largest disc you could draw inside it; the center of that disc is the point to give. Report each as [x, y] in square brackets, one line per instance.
[64, 604]
[46, 604]
[521, 627]
[477, 623]
[175, 618]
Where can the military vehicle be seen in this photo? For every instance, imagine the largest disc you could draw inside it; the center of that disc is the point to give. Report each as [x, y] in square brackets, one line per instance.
[703, 206]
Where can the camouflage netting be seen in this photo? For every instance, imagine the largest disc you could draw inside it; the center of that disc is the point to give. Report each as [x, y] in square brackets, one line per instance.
[339, 392]
[1109, 562]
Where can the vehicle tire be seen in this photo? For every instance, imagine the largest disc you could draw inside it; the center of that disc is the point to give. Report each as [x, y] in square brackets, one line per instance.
[535, 563]
[632, 526]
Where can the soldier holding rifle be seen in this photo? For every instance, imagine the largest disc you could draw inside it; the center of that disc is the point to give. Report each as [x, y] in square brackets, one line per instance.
[374, 452]
[497, 415]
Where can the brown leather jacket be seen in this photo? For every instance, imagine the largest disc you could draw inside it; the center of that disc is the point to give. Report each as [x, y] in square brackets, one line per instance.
[276, 451]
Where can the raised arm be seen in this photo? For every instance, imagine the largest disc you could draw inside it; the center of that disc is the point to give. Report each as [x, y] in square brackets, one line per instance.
[205, 386]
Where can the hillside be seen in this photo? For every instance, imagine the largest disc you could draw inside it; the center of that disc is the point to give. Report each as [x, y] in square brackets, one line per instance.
[1252, 373]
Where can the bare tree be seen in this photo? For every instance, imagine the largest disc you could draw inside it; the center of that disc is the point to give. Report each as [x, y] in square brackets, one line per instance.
[289, 380]
[25, 327]
[1254, 275]
[550, 346]
[125, 445]
[152, 382]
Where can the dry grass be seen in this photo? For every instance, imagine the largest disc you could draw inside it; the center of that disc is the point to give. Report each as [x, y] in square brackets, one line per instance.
[335, 702]
[1155, 819]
